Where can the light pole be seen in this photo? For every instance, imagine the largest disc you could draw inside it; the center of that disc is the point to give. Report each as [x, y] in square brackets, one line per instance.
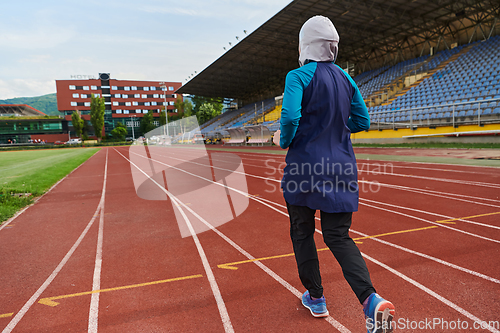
[133, 124]
[164, 86]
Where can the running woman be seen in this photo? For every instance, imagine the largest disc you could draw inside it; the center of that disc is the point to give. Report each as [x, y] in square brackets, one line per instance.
[322, 106]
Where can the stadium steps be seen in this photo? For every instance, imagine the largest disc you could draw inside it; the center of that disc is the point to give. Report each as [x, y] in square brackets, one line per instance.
[231, 119]
[397, 85]
[374, 76]
[367, 100]
[428, 74]
[270, 115]
[211, 121]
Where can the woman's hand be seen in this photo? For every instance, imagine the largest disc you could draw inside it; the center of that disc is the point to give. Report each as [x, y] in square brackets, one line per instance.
[276, 138]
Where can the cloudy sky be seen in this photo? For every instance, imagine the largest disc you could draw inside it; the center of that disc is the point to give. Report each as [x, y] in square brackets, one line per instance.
[45, 40]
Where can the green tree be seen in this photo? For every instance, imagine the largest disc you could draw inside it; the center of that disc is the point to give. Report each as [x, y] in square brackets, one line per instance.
[199, 101]
[206, 112]
[97, 114]
[147, 123]
[119, 132]
[78, 122]
[179, 104]
[188, 109]
[163, 117]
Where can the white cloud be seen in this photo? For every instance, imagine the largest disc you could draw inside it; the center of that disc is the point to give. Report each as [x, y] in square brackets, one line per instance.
[25, 88]
[45, 38]
[147, 40]
[36, 58]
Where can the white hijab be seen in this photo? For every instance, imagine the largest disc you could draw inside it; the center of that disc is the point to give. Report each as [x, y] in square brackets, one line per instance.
[318, 40]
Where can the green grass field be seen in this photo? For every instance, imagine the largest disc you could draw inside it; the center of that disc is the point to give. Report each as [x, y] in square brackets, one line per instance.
[34, 172]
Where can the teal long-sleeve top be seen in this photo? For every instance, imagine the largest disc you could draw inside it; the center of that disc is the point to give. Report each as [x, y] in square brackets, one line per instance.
[295, 84]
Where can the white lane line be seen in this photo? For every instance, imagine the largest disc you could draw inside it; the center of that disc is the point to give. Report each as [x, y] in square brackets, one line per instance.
[6, 223]
[446, 180]
[208, 270]
[271, 273]
[423, 255]
[434, 294]
[432, 193]
[427, 290]
[430, 213]
[12, 324]
[275, 276]
[402, 187]
[424, 190]
[416, 190]
[96, 284]
[374, 163]
[433, 223]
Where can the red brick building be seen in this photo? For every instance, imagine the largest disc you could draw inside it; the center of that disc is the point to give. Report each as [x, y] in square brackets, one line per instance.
[125, 100]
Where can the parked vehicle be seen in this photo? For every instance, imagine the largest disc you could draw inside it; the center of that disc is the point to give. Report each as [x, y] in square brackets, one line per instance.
[74, 141]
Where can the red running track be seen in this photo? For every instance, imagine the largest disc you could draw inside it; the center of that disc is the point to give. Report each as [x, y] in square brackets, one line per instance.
[436, 254]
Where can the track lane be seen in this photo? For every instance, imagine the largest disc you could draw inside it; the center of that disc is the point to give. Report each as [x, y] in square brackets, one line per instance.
[42, 241]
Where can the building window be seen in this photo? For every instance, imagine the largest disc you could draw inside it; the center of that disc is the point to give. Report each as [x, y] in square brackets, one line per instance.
[175, 95]
[86, 88]
[124, 96]
[114, 88]
[128, 104]
[172, 103]
[73, 103]
[86, 104]
[171, 88]
[154, 103]
[72, 87]
[126, 111]
[126, 88]
[145, 88]
[147, 104]
[135, 103]
[76, 95]
[144, 96]
[156, 96]
[153, 88]
[84, 96]
[134, 88]
[162, 96]
[138, 111]
[156, 122]
[118, 111]
[97, 95]
[144, 111]
[115, 103]
[117, 95]
[137, 96]
[93, 87]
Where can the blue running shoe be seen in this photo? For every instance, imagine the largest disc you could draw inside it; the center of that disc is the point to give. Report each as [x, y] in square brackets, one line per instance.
[317, 307]
[379, 314]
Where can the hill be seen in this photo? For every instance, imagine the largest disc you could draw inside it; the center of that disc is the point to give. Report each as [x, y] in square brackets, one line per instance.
[46, 103]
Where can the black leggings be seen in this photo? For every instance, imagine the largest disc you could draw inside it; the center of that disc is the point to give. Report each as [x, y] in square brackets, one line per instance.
[335, 228]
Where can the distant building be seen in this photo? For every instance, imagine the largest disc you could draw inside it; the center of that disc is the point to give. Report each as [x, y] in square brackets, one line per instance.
[21, 123]
[126, 101]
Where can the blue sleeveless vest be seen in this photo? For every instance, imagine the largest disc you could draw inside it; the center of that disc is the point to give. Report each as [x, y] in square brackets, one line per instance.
[321, 170]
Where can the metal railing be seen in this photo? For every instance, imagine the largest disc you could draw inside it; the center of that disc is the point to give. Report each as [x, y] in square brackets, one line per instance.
[430, 114]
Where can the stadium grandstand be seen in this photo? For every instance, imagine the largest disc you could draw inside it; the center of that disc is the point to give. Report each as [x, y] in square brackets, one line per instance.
[21, 123]
[426, 69]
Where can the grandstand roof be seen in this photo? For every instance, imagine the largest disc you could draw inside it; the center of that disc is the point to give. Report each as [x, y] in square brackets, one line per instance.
[19, 110]
[372, 33]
